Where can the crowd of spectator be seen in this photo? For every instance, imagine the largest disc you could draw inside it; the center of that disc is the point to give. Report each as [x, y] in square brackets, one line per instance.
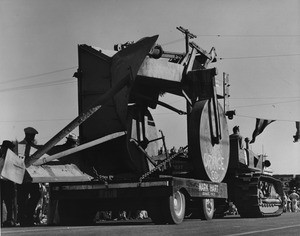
[291, 201]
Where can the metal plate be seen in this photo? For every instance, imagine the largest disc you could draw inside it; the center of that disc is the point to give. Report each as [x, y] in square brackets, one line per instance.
[210, 160]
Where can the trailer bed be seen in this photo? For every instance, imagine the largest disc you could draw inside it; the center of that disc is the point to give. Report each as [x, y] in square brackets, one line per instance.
[151, 187]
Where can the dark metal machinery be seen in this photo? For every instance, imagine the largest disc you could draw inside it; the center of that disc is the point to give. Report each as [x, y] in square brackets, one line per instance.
[254, 192]
[115, 90]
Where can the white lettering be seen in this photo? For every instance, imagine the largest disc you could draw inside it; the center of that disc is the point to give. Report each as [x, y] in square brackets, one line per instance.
[203, 187]
[214, 162]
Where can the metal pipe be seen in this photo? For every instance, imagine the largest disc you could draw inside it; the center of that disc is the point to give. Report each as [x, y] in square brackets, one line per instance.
[180, 112]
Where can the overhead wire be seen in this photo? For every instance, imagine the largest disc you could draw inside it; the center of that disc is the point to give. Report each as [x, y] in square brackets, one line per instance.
[265, 104]
[39, 120]
[170, 42]
[173, 41]
[39, 85]
[237, 36]
[37, 75]
[253, 105]
[260, 56]
[242, 57]
[250, 35]
[251, 117]
[261, 98]
[65, 81]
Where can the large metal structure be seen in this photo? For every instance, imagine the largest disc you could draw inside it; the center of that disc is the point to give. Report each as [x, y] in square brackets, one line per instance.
[185, 75]
[119, 153]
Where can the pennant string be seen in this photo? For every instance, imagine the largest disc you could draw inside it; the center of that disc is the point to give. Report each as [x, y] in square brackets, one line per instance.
[261, 124]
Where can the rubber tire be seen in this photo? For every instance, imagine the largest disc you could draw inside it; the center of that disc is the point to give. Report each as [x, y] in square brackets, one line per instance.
[208, 209]
[169, 210]
[177, 206]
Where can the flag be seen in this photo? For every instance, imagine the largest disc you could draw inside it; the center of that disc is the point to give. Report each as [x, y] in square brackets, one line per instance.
[297, 135]
[260, 125]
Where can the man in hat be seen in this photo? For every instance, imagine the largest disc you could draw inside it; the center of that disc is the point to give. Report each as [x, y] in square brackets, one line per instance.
[28, 193]
[71, 142]
[30, 137]
[236, 135]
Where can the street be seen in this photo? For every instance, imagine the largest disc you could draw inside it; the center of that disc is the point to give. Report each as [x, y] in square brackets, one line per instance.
[286, 224]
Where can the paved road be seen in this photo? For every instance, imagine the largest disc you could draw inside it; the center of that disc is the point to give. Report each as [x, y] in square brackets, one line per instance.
[287, 224]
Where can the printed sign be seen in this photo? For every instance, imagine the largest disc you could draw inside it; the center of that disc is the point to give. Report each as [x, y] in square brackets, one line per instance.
[13, 168]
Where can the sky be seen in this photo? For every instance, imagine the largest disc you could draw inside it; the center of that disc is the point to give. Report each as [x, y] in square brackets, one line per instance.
[257, 41]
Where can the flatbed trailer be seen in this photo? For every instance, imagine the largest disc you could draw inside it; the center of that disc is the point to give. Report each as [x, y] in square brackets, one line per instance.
[118, 164]
[167, 199]
[115, 90]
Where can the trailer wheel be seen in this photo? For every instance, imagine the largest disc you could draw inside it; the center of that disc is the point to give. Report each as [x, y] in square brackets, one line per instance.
[169, 210]
[176, 207]
[208, 208]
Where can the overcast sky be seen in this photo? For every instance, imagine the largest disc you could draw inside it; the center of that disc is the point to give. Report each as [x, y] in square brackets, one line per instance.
[258, 41]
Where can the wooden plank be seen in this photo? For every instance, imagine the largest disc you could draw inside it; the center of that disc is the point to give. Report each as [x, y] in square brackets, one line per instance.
[106, 138]
[57, 173]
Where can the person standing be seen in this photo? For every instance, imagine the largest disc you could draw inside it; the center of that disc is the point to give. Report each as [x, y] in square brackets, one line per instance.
[294, 200]
[236, 135]
[28, 194]
[72, 140]
[8, 189]
[237, 140]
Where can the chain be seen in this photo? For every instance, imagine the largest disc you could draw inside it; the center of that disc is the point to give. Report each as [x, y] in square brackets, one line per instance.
[161, 164]
[102, 178]
[105, 178]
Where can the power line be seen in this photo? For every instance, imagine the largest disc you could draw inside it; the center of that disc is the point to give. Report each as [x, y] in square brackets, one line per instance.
[40, 120]
[39, 85]
[255, 57]
[173, 41]
[261, 98]
[251, 35]
[242, 57]
[265, 104]
[251, 117]
[37, 75]
[237, 36]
